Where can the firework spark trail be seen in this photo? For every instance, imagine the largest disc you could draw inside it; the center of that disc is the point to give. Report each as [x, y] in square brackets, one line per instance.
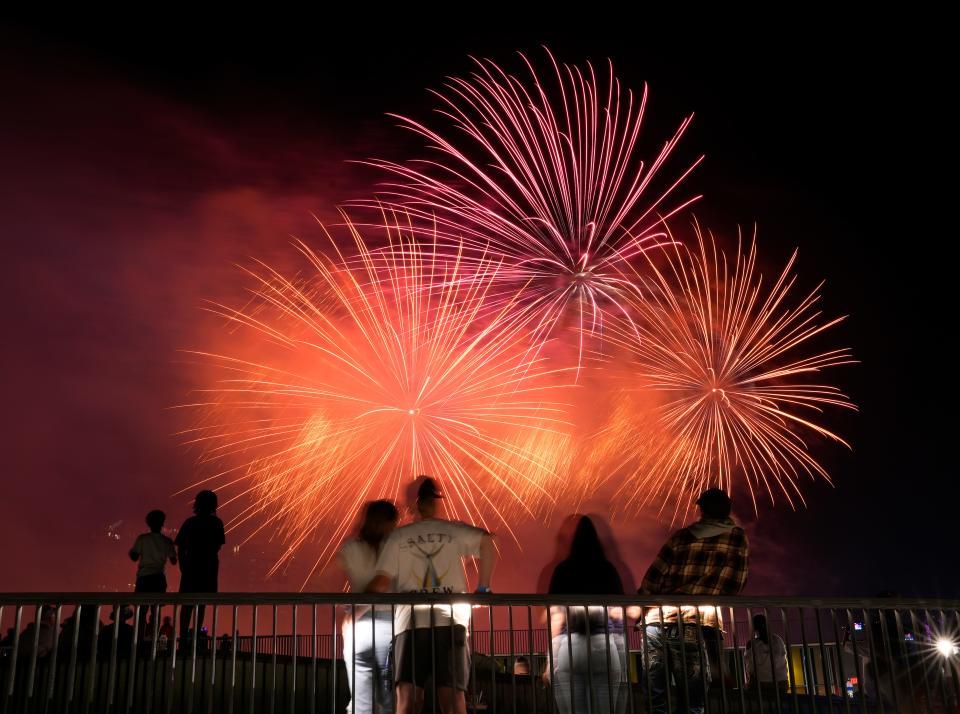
[376, 369]
[733, 368]
[547, 178]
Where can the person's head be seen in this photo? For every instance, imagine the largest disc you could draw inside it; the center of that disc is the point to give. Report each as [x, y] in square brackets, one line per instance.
[586, 545]
[379, 519]
[760, 628]
[125, 613]
[205, 504]
[427, 494]
[714, 503]
[155, 520]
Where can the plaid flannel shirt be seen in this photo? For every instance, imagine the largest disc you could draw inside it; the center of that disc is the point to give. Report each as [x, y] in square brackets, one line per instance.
[687, 565]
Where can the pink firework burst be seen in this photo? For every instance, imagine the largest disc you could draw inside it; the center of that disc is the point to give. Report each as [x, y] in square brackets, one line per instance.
[548, 176]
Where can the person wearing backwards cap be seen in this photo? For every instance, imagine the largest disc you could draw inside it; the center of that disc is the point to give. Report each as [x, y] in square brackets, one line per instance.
[708, 557]
[426, 557]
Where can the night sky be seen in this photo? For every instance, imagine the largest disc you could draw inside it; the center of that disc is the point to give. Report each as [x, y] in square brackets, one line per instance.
[139, 163]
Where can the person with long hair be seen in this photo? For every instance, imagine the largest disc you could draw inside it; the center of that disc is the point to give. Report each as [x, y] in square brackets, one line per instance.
[198, 542]
[589, 657]
[367, 633]
[763, 649]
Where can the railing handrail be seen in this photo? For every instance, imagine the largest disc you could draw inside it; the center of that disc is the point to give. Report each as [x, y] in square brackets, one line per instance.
[492, 599]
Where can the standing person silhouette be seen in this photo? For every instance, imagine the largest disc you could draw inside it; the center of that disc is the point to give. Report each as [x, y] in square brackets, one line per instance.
[430, 641]
[152, 550]
[589, 663]
[709, 557]
[367, 634]
[763, 647]
[198, 544]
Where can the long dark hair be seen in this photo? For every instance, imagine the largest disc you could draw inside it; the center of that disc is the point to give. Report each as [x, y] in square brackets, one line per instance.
[378, 517]
[586, 545]
[760, 629]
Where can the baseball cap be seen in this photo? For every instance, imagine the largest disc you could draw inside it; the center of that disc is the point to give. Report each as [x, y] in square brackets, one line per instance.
[428, 489]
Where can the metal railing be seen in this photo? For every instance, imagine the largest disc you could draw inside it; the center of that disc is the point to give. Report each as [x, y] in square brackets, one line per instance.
[75, 652]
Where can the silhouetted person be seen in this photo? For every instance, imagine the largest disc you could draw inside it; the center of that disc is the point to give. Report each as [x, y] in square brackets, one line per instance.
[589, 666]
[152, 550]
[7, 640]
[708, 557]
[86, 624]
[47, 630]
[165, 633]
[367, 633]
[757, 655]
[124, 634]
[198, 544]
[426, 557]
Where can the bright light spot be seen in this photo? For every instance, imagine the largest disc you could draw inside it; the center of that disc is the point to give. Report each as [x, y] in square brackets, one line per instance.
[411, 412]
[946, 647]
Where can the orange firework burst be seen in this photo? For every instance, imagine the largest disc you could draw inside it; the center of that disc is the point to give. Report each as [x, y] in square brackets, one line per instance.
[546, 175]
[373, 370]
[732, 377]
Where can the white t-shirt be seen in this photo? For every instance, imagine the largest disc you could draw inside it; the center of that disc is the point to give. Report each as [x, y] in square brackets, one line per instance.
[763, 659]
[426, 557]
[360, 562]
[154, 549]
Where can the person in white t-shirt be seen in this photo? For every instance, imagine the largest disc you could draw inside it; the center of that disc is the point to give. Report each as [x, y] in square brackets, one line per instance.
[431, 641]
[367, 634]
[151, 551]
[763, 649]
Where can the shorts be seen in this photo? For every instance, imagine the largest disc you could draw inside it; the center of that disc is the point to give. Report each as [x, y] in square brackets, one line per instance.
[428, 653]
[155, 583]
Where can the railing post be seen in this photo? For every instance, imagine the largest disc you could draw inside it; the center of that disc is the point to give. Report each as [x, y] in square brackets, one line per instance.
[31, 672]
[738, 662]
[14, 655]
[292, 705]
[251, 702]
[54, 655]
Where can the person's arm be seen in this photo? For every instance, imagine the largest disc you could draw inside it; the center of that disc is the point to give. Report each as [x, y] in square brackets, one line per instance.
[387, 567]
[180, 542]
[733, 580]
[135, 550]
[656, 576]
[171, 552]
[343, 613]
[748, 663]
[616, 588]
[379, 584]
[556, 616]
[488, 561]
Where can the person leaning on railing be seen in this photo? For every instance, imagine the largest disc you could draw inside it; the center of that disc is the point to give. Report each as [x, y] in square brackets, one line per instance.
[708, 557]
[588, 649]
[430, 641]
[367, 633]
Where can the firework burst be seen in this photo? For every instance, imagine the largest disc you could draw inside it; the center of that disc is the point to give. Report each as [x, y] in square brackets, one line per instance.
[547, 176]
[729, 379]
[372, 370]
